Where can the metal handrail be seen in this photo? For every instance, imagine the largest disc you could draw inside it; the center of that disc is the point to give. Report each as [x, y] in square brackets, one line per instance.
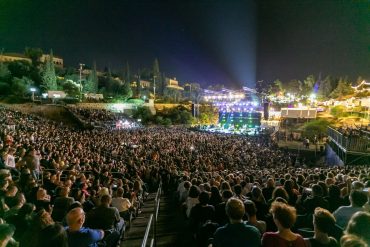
[145, 239]
[151, 222]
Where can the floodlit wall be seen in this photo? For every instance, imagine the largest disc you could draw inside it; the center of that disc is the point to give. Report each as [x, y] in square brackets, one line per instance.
[299, 113]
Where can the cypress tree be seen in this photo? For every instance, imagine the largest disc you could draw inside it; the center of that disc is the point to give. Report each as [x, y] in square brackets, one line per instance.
[49, 78]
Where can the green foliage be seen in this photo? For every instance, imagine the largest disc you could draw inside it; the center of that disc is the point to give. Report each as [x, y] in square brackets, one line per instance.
[276, 87]
[34, 54]
[176, 115]
[70, 88]
[136, 101]
[208, 115]
[343, 89]
[326, 87]
[144, 114]
[316, 127]
[125, 90]
[293, 87]
[20, 86]
[338, 111]
[172, 95]
[19, 68]
[4, 72]
[91, 84]
[4, 88]
[362, 94]
[308, 85]
[49, 79]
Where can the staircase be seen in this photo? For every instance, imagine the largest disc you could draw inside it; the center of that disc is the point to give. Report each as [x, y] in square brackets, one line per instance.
[171, 227]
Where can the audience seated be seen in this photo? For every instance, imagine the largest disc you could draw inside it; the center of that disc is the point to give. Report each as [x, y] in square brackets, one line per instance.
[359, 225]
[344, 213]
[323, 222]
[250, 211]
[236, 233]
[78, 235]
[58, 169]
[284, 217]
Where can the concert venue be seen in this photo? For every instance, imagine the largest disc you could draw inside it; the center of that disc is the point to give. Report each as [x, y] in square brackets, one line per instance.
[193, 123]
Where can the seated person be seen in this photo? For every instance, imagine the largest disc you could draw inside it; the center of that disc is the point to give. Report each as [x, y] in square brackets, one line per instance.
[105, 217]
[220, 212]
[61, 204]
[344, 213]
[236, 233]
[284, 217]
[250, 211]
[78, 235]
[323, 221]
[122, 204]
[201, 212]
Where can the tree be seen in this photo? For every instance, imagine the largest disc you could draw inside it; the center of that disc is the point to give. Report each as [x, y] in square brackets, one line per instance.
[91, 84]
[49, 79]
[343, 89]
[293, 87]
[262, 87]
[308, 85]
[34, 54]
[71, 88]
[127, 74]
[19, 68]
[325, 87]
[4, 72]
[157, 77]
[126, 90]
[276, 87]
[316, 127]
[19, 86]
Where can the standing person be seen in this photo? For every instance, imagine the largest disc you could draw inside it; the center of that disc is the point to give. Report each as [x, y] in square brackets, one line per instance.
[284, 217]
[79, 236]
[32, 162]
[236, 233]
[9, 162]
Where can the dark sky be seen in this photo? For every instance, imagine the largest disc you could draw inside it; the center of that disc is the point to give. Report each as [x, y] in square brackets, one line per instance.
[232, 42]
[297, 38]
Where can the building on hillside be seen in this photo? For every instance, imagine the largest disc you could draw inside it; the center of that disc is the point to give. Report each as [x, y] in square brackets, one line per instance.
[143, 84]
[362, 87]
[299, 113]
[173, 84]
[11, 57]
[172, 90]
[58, 61]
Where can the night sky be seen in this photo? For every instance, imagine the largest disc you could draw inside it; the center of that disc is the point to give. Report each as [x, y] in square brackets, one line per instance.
[232, 42]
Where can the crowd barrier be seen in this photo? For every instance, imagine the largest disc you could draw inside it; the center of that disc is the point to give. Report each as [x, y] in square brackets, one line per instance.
[349, 143]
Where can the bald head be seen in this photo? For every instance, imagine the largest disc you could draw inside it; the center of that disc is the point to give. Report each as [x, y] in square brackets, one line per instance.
[76, 218]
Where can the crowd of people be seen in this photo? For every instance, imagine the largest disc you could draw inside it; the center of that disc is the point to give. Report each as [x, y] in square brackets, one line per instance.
[101, 118]
[71, 187]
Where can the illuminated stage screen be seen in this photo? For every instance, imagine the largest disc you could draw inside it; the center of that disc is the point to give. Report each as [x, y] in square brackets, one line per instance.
[239, 120]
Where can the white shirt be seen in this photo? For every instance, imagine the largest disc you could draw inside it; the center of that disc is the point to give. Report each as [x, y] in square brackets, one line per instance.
[9, 160]
[122, 204]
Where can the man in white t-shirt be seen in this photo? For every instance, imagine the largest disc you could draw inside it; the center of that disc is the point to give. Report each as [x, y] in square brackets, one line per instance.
[122, 204]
